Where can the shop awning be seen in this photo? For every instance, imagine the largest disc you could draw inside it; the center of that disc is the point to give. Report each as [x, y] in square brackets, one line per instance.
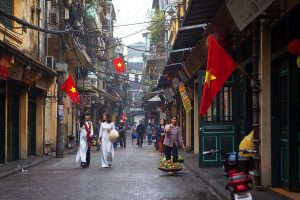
[27, 60]
[197, 16]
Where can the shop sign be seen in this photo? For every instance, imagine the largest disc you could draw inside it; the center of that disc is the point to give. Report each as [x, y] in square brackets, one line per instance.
[244, 12]
[136, 109]
[4, 67]
[185, 98]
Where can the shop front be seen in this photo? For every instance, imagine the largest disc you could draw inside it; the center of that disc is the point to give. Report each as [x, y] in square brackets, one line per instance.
[285, 104]
[22, 90]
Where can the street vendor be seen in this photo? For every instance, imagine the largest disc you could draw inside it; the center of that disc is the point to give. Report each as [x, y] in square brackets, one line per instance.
[173, 140]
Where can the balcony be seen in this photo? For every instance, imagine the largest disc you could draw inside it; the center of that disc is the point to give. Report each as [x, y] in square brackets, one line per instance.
[87, 84]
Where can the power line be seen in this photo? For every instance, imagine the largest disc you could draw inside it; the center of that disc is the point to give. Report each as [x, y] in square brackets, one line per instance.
[29, 25]
[134, 24]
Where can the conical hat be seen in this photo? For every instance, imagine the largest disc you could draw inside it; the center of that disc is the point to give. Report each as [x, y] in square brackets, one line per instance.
[113, 136]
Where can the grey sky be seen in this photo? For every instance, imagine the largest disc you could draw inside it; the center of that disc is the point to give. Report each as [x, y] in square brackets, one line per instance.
[128, 12]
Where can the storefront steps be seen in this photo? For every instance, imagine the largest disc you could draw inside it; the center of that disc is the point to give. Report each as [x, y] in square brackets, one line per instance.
[23, 165]
[213, 178]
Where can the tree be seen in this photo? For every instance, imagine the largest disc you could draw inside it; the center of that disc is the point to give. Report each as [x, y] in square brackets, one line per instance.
[157, 29]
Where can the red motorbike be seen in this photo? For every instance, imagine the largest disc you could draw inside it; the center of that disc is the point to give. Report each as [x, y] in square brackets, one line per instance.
[236, 171]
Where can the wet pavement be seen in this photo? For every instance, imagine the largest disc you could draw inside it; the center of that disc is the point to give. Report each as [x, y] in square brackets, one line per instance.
[133, 175]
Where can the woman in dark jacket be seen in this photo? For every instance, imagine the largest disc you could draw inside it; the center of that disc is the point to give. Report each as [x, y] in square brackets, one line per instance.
[161, 136]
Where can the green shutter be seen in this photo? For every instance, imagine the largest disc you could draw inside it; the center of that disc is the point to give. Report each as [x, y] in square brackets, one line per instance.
[7, 6]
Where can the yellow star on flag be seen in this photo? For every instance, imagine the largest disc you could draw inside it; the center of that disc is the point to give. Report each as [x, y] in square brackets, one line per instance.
[209, 77]
[119, 65]
[73, 90]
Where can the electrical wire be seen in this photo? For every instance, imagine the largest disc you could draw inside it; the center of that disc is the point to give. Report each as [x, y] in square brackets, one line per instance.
[29, 25]
[121, 25]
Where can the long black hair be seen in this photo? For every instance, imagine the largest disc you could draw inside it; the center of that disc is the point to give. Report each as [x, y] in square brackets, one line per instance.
[82, 120]
[108, 117]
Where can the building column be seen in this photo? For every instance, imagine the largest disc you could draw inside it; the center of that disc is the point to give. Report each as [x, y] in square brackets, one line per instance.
[265, 100]
[23, 125]
[196, 119]
[188, 129]
[39, 125]
[255, 100]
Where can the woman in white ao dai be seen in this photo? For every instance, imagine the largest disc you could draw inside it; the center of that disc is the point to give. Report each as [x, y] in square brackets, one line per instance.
[107, 148]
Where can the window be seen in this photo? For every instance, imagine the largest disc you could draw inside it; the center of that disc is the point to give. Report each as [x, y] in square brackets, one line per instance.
[6, 6]
[221, 107]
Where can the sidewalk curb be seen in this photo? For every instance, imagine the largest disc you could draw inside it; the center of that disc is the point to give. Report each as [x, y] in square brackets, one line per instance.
[19, 169]
[32, 164]
[209, 182]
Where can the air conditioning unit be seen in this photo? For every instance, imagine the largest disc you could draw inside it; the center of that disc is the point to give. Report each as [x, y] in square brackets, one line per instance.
[50, 62]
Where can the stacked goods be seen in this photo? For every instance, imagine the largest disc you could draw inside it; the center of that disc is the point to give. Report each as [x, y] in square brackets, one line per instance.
[169, 165]
[180, 159]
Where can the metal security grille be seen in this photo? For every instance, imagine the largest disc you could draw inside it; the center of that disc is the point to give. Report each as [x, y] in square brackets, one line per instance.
[221, 108]
[7, 6]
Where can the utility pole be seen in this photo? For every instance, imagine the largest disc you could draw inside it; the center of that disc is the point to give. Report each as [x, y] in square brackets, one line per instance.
[60, 93]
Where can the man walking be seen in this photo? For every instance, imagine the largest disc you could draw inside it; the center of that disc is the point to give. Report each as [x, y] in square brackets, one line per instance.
[140, 129]
[173, 140]
[122, 134]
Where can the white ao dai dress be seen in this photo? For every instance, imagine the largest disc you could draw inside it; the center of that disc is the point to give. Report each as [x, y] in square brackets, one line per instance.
[107, 147]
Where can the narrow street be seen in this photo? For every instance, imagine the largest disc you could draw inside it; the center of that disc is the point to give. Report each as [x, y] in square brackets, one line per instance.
[133, 175]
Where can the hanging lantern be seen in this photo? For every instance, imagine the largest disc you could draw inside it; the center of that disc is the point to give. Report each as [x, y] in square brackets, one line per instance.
[294, 47]
[298, 62]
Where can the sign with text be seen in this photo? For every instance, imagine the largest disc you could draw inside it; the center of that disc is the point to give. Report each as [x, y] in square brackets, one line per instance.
[185, 98]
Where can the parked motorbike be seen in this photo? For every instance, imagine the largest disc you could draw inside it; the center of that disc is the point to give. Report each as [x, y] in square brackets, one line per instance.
[72, 142]
[236, 171]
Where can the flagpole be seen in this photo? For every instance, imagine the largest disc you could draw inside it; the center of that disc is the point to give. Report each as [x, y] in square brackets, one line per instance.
[248, 76]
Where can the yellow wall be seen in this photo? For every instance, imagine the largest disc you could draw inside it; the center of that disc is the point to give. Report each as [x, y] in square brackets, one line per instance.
[39, 125]
[188, 129]
[27, 42]
[23, 125]
[50, 118]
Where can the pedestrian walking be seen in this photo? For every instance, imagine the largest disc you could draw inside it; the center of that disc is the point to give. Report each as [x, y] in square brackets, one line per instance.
[122, 134]
[96, 133]
[149, 132]
[173, 140]
[107, 153]
[86, 136]
[161, 136]
[133, 134]
[140, 129]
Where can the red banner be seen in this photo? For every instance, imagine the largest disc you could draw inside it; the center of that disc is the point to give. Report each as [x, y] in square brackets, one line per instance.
[4, 67]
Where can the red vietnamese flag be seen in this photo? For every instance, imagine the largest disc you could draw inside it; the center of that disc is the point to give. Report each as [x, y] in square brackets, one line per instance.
[69, 87]
[219, 67]
[119, 65]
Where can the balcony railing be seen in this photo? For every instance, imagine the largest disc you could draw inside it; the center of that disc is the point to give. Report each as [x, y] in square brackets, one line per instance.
[86, 83]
